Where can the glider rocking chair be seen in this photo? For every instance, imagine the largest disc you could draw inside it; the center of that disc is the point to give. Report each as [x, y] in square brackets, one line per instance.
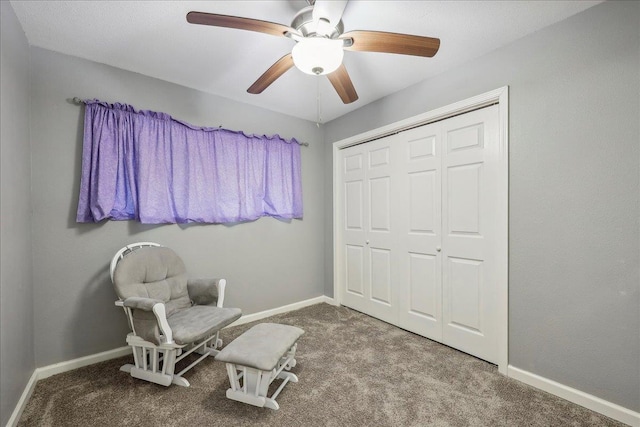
[169, 315]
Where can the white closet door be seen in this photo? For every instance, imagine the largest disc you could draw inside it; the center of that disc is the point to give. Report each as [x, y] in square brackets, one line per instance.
[416, 230]
[470, 184]
[419, 279]
[366, 224]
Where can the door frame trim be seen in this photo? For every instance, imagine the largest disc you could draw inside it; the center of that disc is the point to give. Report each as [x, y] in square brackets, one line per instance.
[501, 97]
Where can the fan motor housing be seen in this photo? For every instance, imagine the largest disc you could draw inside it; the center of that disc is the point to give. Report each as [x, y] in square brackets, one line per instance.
[303, 22]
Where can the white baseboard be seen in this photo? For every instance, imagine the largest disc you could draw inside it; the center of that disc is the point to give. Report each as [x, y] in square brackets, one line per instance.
[284, 309]
[69, 365]
[58, 368]
[22, 402]
[611, 410]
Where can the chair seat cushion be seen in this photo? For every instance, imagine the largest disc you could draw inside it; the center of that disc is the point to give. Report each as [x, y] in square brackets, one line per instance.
[261, 347]
[194, 323]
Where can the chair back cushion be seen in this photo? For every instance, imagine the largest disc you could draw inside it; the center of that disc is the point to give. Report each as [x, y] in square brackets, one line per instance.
[153, 272]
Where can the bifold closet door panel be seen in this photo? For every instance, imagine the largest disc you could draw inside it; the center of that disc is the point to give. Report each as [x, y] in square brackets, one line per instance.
[469, 191]
[351, 226]
[380, 243]
[419, 280]
[368, 242]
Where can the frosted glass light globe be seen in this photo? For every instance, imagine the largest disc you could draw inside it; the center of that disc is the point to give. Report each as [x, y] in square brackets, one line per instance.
[318, 55]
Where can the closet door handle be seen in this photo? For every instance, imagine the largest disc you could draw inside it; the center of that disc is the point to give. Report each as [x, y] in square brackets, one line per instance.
[367, 242]
[438, 248]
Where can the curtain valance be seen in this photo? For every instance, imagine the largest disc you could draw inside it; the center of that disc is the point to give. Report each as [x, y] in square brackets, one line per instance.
[148, 166]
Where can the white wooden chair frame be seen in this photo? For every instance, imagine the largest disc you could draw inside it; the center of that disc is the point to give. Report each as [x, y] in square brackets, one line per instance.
[156, 363]
[255, 383]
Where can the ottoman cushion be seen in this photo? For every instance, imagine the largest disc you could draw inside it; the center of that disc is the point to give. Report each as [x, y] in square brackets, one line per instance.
[261, 347]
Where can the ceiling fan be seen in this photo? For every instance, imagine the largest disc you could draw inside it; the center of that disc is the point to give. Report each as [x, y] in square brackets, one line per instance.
[320, 43]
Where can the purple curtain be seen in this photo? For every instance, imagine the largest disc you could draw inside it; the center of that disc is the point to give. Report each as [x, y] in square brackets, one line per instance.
[151, 167]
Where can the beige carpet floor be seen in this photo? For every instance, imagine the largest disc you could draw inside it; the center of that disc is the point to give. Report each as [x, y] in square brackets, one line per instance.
[354, 371]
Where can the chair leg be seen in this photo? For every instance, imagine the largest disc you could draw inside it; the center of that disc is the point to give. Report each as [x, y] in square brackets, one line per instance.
[211, 347]
[170, 361]
[157, 364]
[255, 383]
[147, 366]
[181, 381]
[156, 377]
[218, 342]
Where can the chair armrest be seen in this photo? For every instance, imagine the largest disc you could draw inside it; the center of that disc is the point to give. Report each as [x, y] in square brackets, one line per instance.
[206, 291]
[141, 303]
[157, 307]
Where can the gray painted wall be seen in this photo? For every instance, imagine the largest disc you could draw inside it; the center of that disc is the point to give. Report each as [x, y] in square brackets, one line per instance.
[574, 208]
[16, 286]
[574, 285]
[268, 263]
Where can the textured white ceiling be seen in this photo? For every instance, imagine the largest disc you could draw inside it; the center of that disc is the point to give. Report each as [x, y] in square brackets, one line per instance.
[153, 38]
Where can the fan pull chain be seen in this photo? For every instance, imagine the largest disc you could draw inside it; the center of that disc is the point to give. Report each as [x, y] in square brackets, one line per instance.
[319, 117]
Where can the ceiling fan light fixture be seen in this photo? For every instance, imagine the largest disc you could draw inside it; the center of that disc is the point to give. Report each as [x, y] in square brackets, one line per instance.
[318, 55]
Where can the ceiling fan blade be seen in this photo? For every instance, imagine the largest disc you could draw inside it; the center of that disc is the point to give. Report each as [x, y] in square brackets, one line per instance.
[331, 10]
[342, 84]
[403, 44]
[237, 22]
[281, 66]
